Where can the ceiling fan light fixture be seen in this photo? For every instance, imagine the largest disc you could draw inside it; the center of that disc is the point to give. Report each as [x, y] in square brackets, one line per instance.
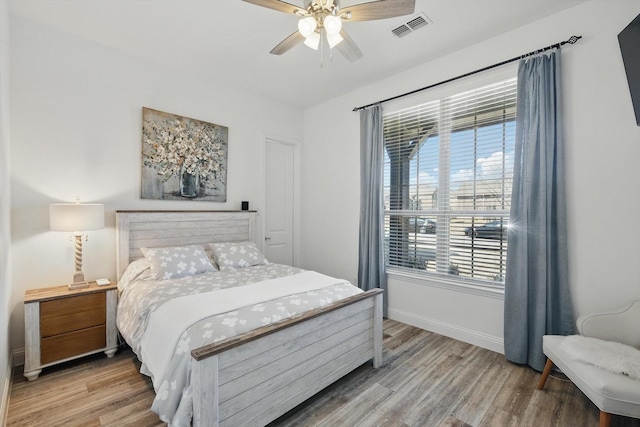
[333, 39]
[320, 22]
[307, 26]
[332, 24]
[313, 41]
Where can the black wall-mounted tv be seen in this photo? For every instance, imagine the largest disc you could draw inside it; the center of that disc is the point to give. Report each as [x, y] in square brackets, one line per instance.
[629, 40]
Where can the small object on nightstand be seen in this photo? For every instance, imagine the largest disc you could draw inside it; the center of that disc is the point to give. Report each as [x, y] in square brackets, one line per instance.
[103, 282]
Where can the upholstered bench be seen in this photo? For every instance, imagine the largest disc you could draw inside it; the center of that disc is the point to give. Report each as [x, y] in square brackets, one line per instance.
[612, 393]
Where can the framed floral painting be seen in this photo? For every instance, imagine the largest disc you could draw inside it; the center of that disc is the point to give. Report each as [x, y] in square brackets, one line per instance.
[183, 158]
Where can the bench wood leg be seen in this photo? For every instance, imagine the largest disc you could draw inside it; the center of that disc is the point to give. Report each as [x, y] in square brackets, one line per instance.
[605, 419]
[545, 374]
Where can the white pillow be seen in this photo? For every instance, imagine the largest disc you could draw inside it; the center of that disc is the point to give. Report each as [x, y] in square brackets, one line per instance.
[177, 261]
[230, 255]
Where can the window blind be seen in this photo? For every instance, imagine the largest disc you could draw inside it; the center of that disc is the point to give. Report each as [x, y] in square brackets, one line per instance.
[447, 183]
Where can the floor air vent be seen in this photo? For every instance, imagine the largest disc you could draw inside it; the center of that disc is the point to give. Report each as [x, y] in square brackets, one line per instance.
[411, 25]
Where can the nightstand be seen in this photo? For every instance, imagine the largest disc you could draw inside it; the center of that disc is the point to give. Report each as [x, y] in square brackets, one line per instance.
[63, 324]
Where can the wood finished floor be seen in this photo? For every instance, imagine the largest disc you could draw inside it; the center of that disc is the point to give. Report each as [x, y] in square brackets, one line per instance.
[426, 380]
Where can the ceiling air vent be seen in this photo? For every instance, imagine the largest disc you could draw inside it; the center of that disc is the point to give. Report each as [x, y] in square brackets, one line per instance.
[411, 25]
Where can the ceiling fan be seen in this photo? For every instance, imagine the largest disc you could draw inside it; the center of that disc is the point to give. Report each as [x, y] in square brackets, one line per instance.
[322, 20]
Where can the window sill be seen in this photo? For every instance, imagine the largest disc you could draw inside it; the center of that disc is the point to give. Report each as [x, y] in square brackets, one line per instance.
[436, 281]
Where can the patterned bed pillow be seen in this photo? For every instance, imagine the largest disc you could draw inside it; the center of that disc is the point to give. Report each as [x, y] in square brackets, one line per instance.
[177, 261]
[230, 255]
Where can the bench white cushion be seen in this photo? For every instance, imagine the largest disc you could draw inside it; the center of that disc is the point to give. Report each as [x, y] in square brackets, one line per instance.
[612, 393]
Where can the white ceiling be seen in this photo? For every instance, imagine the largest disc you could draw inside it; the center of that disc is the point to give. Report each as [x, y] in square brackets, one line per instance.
[230, 40]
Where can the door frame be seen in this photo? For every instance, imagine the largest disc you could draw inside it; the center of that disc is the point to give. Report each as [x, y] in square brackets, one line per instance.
[297, 190]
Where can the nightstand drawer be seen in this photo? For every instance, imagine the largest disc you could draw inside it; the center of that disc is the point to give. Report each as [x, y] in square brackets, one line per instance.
[72, 304]
[71, 344]
[72, 314]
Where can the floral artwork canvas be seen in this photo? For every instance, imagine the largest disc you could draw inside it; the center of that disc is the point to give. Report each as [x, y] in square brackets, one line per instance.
[183, 158]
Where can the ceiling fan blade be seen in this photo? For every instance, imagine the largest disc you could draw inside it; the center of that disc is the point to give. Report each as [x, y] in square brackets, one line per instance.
[348, 48]
[380, 9]
[288, 43]
[275, 5]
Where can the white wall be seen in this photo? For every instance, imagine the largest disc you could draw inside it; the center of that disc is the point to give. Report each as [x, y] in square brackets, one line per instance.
[5, 244]
[76, 120]
[603, 147]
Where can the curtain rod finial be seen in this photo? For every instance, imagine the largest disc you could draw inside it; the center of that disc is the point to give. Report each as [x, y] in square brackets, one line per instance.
[573, 39]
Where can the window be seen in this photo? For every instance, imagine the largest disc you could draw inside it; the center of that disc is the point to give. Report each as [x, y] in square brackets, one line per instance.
[447, 184]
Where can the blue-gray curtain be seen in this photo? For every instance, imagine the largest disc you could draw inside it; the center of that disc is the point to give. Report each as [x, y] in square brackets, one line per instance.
[371, 269]
[537, 300]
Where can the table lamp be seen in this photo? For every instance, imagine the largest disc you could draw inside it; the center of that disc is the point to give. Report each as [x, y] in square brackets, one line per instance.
[76, 218]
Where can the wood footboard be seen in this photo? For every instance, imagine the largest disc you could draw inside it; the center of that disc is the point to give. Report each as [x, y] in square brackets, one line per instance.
[257, 377]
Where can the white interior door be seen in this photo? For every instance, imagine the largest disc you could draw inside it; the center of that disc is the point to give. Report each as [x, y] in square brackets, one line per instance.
[279, 202]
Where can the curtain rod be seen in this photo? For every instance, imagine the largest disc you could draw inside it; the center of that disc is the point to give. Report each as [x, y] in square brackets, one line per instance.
[572, 40]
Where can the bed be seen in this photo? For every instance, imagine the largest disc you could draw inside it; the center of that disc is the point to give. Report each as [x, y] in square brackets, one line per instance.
[261, 372]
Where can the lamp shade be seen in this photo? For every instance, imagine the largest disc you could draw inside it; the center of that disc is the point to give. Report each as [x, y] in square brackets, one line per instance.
[307, 25]
[76, 217]
[333, 39]
[313, 41]
[333, 25]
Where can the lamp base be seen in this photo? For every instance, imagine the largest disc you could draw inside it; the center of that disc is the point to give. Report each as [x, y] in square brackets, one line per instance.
[78, 281]
[78, 285]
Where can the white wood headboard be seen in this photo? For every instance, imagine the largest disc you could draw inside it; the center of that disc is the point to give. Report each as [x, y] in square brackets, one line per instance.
[149, 229]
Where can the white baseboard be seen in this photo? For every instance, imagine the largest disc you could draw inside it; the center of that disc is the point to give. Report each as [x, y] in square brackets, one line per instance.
[6, 389]
[18, 357]
[489, 342]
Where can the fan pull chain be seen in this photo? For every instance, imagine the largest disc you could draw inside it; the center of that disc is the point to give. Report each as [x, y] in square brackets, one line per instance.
[321, 48]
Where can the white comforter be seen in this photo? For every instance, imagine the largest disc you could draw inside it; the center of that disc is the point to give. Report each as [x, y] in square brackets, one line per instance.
[164, 320]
